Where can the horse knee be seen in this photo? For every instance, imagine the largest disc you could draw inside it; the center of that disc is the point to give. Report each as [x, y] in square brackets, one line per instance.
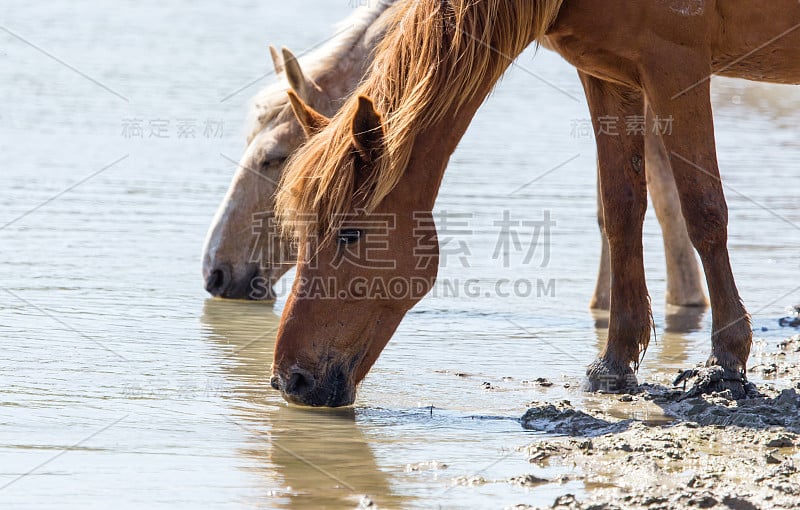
[707, 222]
[624, 215]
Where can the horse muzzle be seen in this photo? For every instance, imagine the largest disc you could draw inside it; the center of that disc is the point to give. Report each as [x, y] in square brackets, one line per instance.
[300, 387]
[223, 282]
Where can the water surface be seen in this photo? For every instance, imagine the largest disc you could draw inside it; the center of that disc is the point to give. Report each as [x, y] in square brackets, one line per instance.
[121, 383]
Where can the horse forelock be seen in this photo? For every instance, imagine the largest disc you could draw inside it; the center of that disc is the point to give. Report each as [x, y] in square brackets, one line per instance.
[437, 55]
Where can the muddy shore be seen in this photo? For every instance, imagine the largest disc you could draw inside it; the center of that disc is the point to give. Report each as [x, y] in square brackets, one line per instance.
[717, 452]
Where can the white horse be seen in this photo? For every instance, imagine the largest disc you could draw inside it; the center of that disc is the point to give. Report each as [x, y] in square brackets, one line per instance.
[244, 254]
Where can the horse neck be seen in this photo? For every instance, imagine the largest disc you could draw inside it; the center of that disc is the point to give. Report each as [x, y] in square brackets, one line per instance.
[434, 145]
[433, 148]
[433, 72]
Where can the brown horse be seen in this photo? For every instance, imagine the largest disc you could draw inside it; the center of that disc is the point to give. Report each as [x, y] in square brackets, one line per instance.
[359, 195]
[364, 172]
[243, 256]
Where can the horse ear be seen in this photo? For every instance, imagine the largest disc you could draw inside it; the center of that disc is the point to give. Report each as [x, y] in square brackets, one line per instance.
[277, 60]
[312, 121]
[368, 133]
[297, 80]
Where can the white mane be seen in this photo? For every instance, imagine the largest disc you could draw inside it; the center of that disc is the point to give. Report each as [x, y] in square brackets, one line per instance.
[270, 101]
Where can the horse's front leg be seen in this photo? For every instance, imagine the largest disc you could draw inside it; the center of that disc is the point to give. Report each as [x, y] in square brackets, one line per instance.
[677, 88]
[684, 279]
[623, 189]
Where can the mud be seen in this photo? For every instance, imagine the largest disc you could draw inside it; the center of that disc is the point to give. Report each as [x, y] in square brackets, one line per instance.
[793, 321]
[728, 446]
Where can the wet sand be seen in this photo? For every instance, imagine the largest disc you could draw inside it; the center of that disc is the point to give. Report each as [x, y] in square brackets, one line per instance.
[717, 452]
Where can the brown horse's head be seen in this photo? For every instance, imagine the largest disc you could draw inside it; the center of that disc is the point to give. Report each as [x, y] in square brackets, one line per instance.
[244, 255]
[358, 273]
[358, 196]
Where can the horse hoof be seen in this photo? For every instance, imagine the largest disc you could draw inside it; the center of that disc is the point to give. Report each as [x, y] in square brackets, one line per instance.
[605, 377]
[716, 379]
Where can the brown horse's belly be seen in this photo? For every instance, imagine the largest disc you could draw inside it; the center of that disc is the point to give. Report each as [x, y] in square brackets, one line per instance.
[773, 69]
[759, 41]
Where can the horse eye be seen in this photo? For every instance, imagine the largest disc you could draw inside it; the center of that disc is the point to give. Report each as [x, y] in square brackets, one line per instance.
[348, 236]
[274, 162]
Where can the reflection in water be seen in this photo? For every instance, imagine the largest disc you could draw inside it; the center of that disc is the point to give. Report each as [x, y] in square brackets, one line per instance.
[680, 321]
[310, 458]
[600, 320]
[684, 319]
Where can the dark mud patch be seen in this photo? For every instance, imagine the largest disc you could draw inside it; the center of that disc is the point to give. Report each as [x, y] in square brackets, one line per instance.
[720, 452]
[793, 321]
[563, 419]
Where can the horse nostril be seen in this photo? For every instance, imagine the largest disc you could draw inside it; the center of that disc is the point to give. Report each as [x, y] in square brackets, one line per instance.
[275, 382]
[218, 281]
[300, 383]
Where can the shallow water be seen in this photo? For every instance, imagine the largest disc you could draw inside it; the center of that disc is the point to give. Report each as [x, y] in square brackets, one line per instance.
[121, 383]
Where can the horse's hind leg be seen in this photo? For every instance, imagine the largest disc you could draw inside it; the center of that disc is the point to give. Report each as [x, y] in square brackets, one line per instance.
[623, 189]
[684, 281]
[601, 300]
[693, 158]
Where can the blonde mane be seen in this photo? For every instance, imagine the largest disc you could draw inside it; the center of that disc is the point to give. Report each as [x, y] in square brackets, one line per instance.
[436, 56]
[272, 100]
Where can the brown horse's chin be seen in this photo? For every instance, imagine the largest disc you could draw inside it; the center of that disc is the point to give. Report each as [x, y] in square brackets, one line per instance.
[343, 401]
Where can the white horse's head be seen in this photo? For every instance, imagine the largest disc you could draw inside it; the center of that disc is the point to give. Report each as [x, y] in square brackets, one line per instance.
[244, 253]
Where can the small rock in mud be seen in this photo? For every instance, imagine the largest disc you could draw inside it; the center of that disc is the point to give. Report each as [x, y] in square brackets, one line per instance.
[766, 370]
[787, 440]
[791, 322]
[425, 466]
[773, 458]
[566, 501]
[365, 503]
[470, 481]
[457, 373]
[527, 481]
[790, 344]
[540, 453]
